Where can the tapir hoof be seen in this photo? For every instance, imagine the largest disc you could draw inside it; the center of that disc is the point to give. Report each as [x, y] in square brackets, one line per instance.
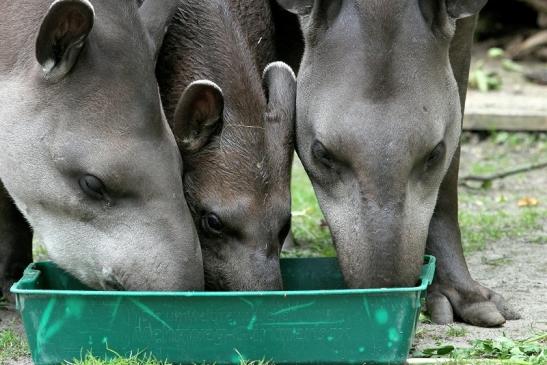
[479, 306]
[7, 298]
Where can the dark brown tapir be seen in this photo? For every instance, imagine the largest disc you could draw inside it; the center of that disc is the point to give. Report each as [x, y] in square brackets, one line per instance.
[381, 92]
[87, 158]
[233, 118]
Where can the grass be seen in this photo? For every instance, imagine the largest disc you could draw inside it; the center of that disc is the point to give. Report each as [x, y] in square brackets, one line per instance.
[12, 346]
[504, 150]
[456, 331]
[504, 147]
[488, 215]
[530, 351]
[311, 234]
[142, 359]
[39, 252]
[492, 221]
[519, 140]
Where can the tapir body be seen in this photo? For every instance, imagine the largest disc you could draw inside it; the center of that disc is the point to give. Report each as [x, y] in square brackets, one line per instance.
[88, 159]
[381, 92]
[237, 148]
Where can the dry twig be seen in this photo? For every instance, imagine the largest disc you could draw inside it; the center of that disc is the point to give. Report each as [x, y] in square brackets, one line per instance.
[487, 179]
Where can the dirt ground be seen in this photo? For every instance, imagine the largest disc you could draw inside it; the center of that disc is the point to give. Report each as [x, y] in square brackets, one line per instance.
[10, 319]
[523, 283]
[515, 268]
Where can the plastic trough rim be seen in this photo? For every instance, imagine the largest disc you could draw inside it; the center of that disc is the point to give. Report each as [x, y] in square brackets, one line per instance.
[425, 280]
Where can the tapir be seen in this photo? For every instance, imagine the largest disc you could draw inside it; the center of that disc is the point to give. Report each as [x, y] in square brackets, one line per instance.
[89, 163]
[232, 111]
[380, 97]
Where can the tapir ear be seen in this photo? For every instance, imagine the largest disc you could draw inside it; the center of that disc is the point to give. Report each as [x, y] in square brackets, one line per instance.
[463, 8]
[299, 7]
[157, 15]
[279, 84]
[62, 35]
[198, 115]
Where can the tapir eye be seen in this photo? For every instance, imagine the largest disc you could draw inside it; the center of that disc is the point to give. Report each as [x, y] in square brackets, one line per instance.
[321, 154]
[211, 224]
[93, 187]
[436, 154]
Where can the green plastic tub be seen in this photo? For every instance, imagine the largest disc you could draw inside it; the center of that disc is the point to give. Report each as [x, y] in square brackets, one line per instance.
[315, 321]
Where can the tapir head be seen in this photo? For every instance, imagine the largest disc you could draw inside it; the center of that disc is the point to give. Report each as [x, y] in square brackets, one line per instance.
[238, 147]
[88, 156]
[378, 123]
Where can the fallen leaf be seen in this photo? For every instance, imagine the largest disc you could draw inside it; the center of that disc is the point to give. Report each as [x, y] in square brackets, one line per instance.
[527, 201]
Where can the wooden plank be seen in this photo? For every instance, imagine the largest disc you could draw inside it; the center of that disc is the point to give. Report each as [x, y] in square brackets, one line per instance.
[506, 111]
[484, 121]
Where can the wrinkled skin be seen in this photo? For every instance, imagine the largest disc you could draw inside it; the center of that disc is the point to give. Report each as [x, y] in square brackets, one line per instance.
[88, 157]
[235, 133]
[381, 91]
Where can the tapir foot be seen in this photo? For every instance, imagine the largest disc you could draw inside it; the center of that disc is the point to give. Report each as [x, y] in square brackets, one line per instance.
[476, 305]
[9, 278]
[15, 244]
[10, 273]
[5, 292]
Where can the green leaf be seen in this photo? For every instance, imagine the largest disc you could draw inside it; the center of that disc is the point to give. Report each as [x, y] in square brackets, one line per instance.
[438, 351]
[487, 184]
[445, 350]
[511, 66]
[496, 52]
[482, 80]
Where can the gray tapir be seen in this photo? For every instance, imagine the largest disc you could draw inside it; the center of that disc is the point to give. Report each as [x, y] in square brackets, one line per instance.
[87, 155]
[235, 133]
[381, 91]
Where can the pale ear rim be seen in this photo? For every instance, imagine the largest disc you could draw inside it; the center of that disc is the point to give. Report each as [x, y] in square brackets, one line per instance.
[299, 8]
[279, 64]
[279, 68]
[458, 9]
[188, 144]
[204, 82]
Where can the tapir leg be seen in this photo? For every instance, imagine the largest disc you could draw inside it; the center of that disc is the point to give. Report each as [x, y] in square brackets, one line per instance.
[454, 293]
[15, 243]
